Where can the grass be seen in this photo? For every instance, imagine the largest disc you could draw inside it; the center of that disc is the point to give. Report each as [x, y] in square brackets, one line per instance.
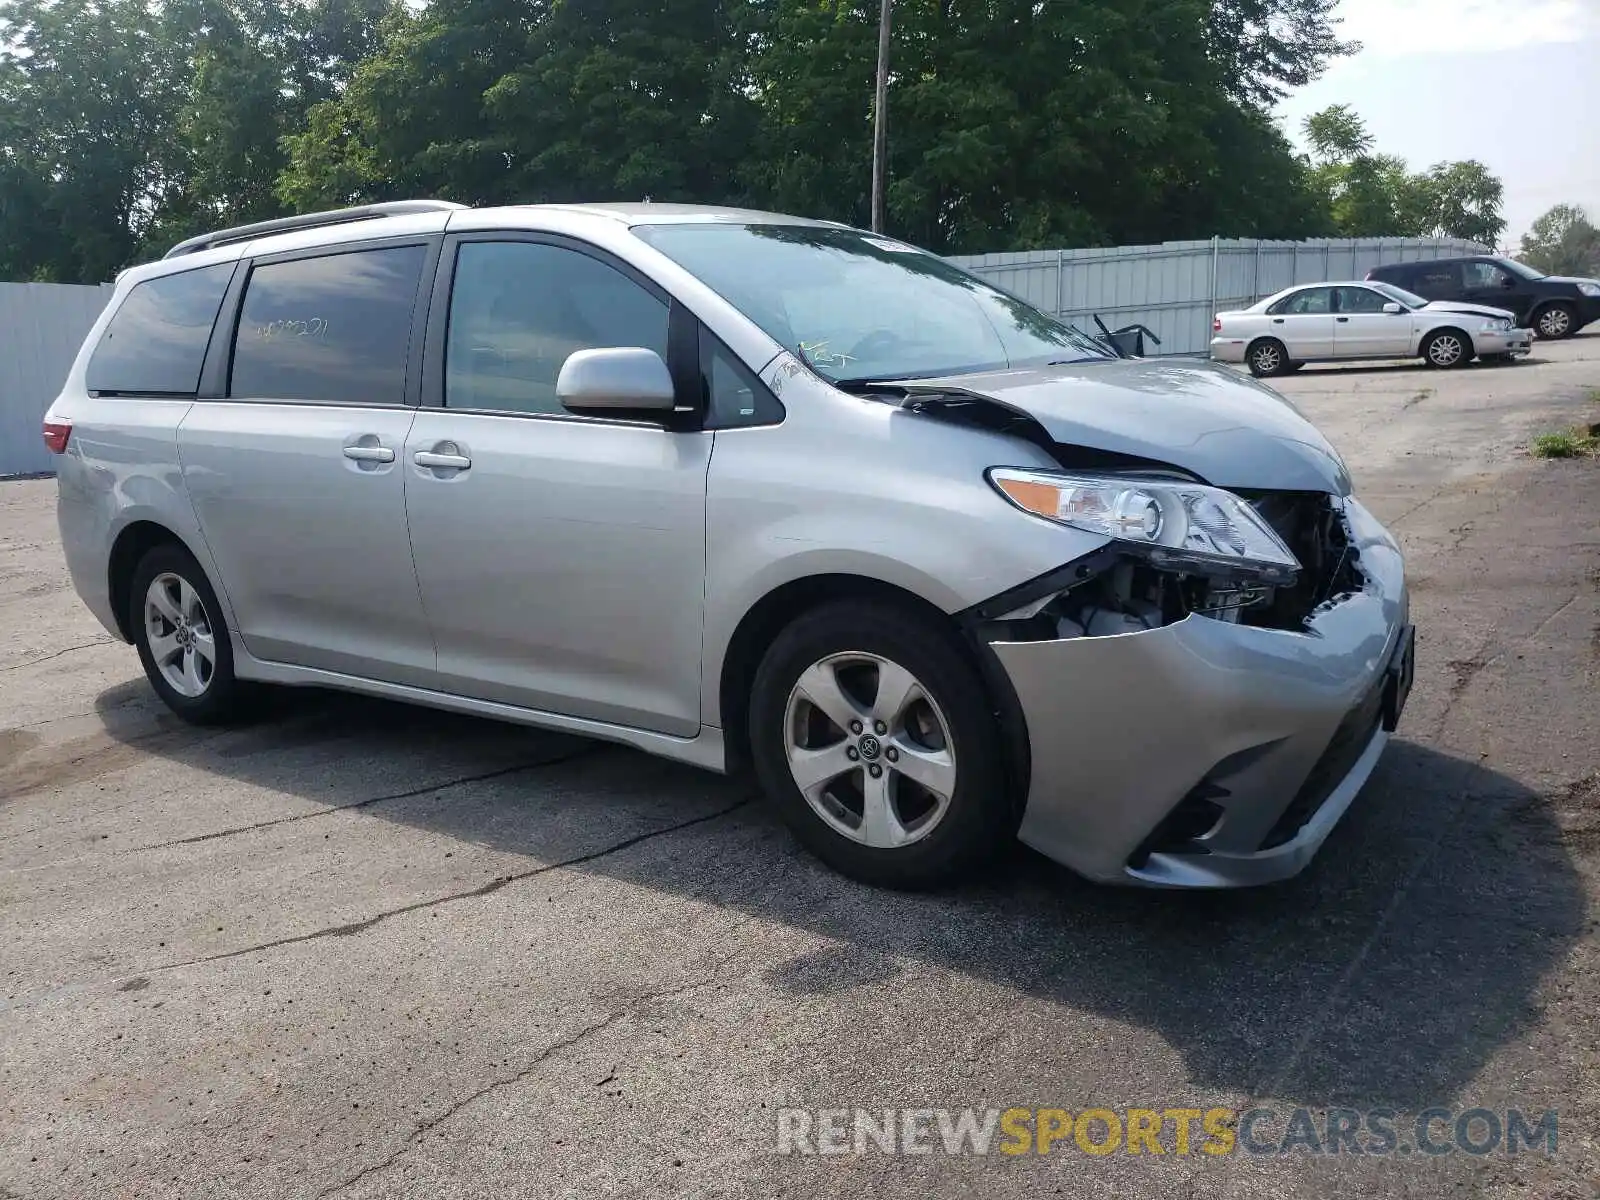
[1571, 443]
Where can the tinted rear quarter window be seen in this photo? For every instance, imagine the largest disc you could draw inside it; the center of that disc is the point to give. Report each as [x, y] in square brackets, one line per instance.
[1436, 281]
[156, 341]
[334, 329]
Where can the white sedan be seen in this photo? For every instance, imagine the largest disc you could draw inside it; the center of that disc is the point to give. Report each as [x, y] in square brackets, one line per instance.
[1324, 322]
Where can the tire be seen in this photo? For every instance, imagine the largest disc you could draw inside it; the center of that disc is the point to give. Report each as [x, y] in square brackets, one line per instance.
[1552, 322]
[190, 624]
[836, 654]
[1267, 357]
[1446, 349]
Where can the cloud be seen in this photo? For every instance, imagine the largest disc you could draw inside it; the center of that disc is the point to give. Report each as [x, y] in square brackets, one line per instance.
[1399, 28]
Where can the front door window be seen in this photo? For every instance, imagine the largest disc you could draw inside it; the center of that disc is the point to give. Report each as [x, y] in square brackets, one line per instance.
[518, 309]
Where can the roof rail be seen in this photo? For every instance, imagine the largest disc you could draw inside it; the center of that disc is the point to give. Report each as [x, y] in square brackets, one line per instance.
[337, 216]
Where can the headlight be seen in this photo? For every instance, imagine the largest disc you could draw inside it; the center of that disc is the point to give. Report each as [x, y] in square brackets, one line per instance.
[1173, 524]
[1589, 289]
[1499, 324]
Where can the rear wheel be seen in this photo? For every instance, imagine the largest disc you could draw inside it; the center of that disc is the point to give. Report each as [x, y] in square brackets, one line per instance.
[182, 638]
[1267, 357]
[870, 732]
[1555, 321]
[1447, 348]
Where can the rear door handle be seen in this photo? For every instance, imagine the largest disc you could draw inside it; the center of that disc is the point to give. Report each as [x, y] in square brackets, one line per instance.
[441, 462]
[1342, 320]
[377, 454]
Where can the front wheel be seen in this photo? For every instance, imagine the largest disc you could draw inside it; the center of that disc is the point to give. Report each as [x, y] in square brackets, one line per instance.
[182, 638]
[870, 731]
[1555, 321]
[1446, 349]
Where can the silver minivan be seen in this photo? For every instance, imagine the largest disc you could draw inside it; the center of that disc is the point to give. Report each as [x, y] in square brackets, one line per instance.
[743, 489]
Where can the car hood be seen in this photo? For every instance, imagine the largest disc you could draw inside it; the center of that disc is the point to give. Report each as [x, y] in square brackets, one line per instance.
[1476, 310]
[1210, 421]
[1569, 279]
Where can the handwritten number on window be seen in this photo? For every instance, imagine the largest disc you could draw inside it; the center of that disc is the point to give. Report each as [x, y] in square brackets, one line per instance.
[316, 327]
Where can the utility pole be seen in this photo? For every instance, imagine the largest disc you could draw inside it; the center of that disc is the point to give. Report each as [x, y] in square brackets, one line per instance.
[880, 121]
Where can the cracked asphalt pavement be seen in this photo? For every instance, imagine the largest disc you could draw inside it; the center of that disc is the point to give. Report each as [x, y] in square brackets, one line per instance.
[361, 950]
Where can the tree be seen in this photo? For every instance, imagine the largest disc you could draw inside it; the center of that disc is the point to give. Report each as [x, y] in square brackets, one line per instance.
[1461, 200]
[1337, 135]
[89, 94]
[1563, 242]
[1265, 48]
[1376, 195]
[255, 68]
[129, 124]
[132, 123]
[1109, 120]
[493, 101]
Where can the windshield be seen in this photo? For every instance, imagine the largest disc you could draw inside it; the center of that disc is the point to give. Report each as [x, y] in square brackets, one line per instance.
[1517, 268]
[1409, 299]
[858, 307]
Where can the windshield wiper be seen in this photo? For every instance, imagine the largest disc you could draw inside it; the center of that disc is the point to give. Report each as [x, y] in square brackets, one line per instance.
[861, 383]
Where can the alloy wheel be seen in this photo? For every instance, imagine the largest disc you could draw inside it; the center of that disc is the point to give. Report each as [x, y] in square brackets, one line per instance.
[1445, 350]
[869, 749]
[1554, 322]
[1267, 359]
[179, 633]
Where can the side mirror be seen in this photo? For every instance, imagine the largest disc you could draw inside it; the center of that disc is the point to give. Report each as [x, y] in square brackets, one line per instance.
[1393, 309]
[615, 377]
[1507, 282]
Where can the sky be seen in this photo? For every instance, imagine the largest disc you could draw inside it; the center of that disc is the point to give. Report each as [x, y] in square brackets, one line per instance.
[1512, 83]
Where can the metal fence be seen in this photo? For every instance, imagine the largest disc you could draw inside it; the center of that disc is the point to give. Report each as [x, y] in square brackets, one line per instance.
[1177, 287]
[41, 327]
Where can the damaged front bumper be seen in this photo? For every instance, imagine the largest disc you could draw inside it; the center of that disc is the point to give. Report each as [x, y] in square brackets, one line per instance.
[1206, 753]
[1514, 342]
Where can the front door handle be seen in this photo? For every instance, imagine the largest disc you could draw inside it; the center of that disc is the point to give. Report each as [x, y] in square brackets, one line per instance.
[441, 462]
[376, 454]
[1342, 320]
[1277, 320]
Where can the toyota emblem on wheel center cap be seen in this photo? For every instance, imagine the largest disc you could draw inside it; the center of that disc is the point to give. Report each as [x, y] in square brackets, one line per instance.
[870, 747]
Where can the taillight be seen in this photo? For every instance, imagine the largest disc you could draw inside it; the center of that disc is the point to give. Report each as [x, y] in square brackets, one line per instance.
[56, 434]
[1216, 324]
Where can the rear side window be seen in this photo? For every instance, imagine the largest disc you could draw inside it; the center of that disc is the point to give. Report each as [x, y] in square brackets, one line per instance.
[156, 341]
[1436, 281]
[1311, 302]
[334, 329]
